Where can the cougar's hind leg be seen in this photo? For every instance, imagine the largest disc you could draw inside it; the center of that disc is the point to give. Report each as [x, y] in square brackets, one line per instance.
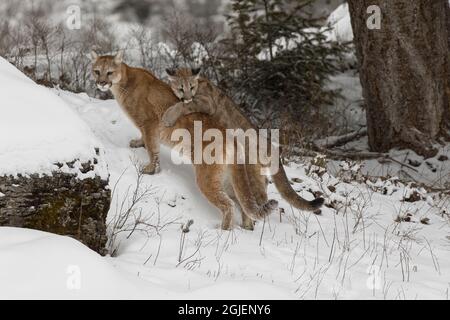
[210, 181]
[258, 182]
[247, 222]
[245, 196]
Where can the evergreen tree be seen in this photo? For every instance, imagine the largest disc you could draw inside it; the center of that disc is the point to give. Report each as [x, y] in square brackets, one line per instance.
[277, 58]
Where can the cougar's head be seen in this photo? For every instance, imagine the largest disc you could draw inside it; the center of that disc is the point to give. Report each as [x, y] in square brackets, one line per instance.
[106, 70]
[184, 82]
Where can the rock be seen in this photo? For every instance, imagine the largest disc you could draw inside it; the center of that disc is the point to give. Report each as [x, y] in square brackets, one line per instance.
[53, 175]
[431, 166]
[443, 158]
[61, 203]
[403, 218]
[414, 162]
[413, 197]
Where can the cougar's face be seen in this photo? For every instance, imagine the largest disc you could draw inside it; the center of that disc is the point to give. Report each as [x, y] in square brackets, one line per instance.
[184, 83]
[106, 70]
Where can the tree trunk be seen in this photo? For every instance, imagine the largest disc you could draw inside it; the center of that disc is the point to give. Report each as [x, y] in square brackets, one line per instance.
[404, 71]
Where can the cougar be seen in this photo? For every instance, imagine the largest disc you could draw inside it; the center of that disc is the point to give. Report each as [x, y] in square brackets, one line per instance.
[145, 98]
[198, 94]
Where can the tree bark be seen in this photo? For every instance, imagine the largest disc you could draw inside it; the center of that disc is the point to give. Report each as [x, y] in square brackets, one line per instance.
[404, 72]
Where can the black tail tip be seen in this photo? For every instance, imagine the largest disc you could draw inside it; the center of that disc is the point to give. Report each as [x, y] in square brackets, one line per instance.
[317, 203]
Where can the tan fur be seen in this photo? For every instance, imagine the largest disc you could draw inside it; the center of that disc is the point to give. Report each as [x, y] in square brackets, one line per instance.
[197, 94]
[144, 99]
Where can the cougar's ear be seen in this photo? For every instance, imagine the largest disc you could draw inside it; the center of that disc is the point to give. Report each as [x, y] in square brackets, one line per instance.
[118, 57]
[94, 55]
[196, 72]
[171, 72]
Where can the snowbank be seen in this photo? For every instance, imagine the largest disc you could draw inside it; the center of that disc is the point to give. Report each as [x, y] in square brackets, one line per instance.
[37, 264]
[38, 130]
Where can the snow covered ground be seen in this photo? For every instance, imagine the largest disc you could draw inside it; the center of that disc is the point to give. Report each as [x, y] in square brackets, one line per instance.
[368, 244]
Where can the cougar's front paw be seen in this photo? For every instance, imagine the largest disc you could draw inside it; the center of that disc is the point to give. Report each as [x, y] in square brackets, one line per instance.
[151, 168]
[137, 143]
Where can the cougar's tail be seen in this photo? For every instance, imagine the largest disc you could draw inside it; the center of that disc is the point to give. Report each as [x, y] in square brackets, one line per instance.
[284, 187]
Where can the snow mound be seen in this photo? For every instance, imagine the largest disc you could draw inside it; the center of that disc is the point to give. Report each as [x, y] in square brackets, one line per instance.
[38, 129]
[42, 265]
[37, 264]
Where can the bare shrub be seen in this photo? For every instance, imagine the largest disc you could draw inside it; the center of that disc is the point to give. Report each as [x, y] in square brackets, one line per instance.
[47, 51]
[194, 43]
[130, 217]
[151, 54]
